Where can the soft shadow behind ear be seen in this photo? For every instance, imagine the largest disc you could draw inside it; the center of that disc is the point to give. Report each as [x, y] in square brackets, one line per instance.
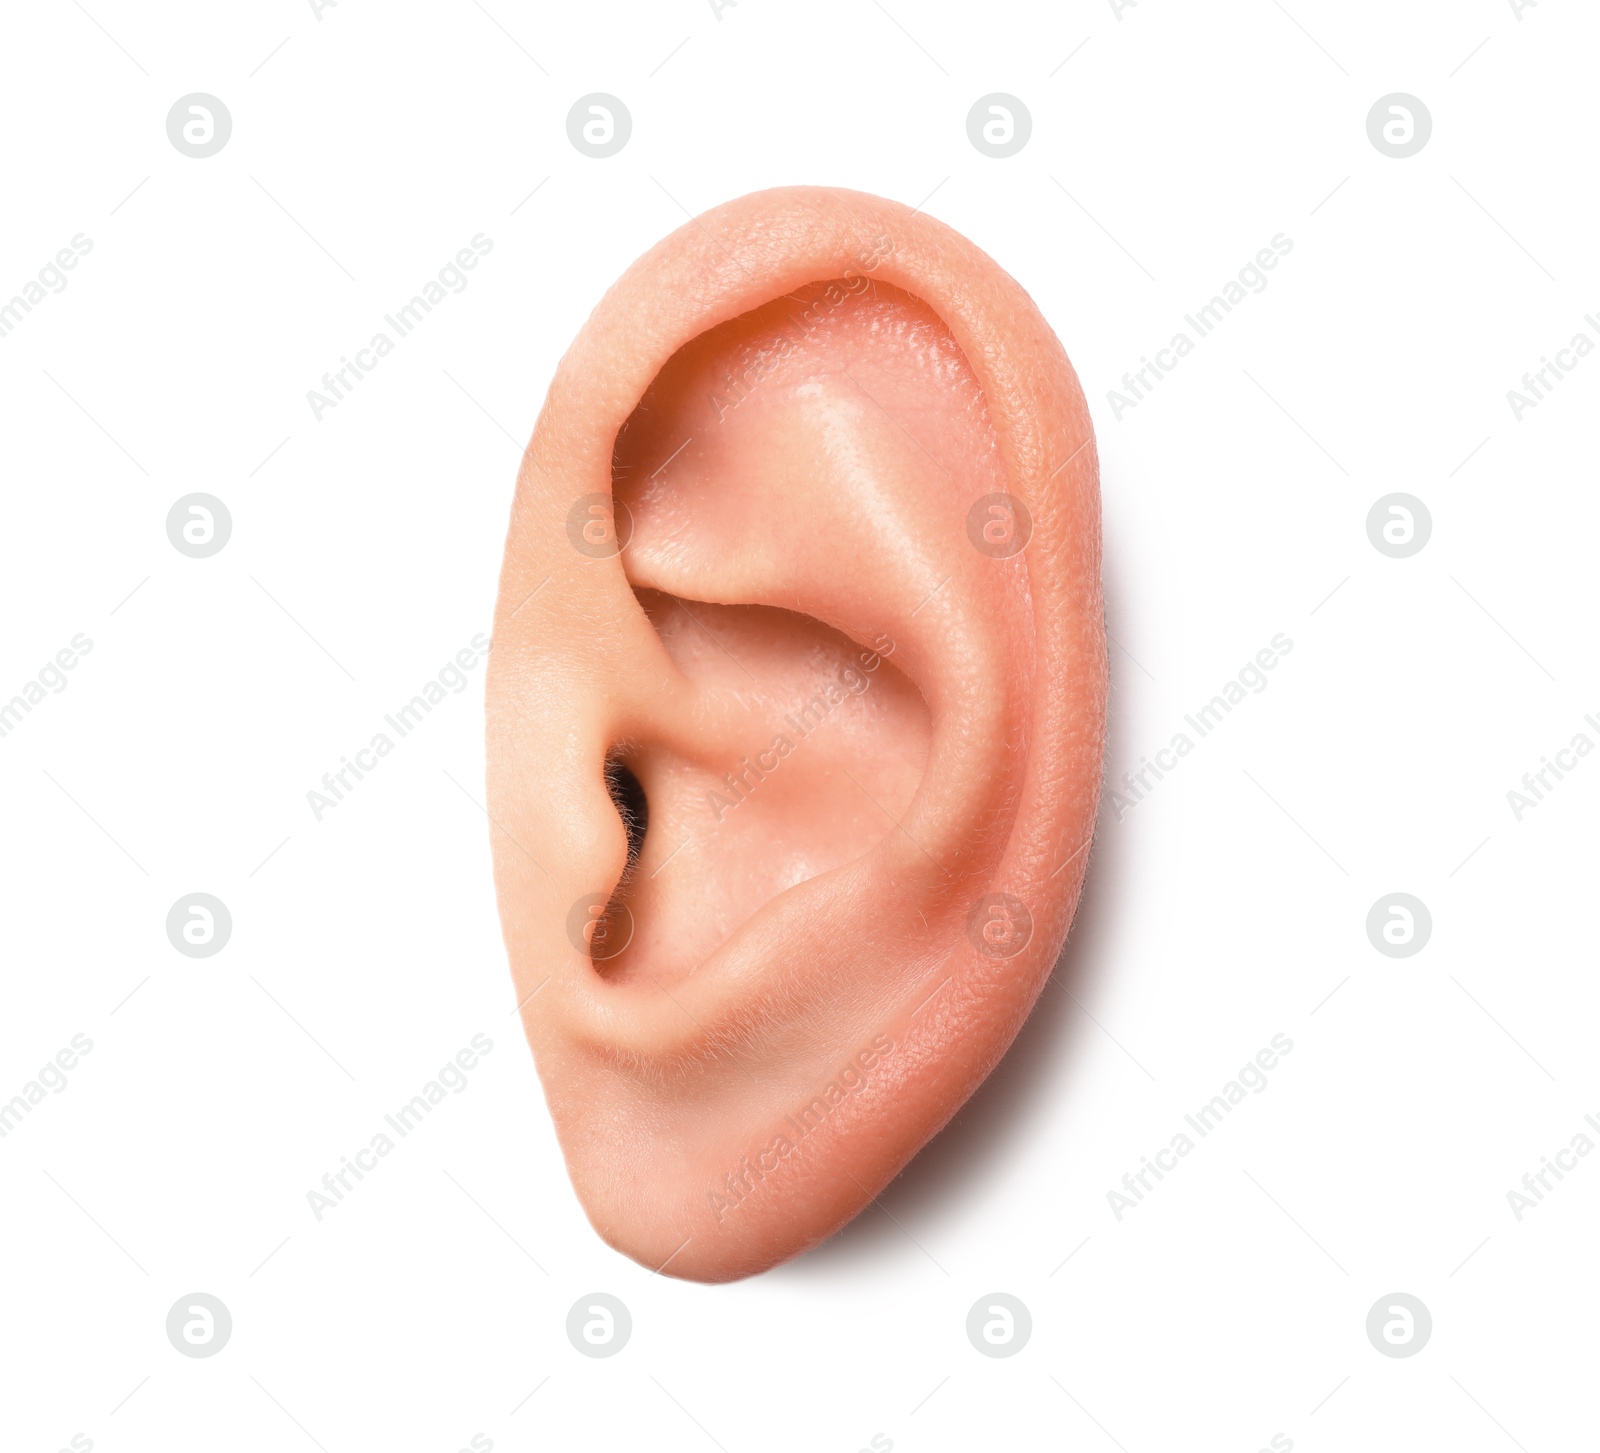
[796, 715]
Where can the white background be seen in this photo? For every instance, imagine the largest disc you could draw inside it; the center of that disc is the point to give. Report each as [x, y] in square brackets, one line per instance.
[368, 146]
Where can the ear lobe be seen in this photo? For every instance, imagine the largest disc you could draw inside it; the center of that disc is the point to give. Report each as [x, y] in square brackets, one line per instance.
[851, 653]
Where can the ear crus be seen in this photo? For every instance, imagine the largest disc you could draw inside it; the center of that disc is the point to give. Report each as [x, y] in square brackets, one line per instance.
[796, 714]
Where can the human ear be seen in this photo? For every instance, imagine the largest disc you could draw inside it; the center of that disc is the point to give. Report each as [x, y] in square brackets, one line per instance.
[795, 716]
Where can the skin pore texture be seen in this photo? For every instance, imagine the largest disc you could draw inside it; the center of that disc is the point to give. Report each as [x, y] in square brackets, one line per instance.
[794, 755]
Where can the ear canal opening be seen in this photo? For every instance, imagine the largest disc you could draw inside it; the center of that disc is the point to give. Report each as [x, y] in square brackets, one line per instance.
[633, 807]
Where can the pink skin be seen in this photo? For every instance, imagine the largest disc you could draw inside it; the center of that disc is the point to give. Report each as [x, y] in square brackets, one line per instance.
[850, 722]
